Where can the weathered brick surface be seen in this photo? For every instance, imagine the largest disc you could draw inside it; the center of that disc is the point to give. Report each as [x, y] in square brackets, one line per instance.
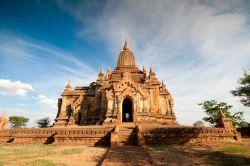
[170, 135]
[81, 135]
[122, 135]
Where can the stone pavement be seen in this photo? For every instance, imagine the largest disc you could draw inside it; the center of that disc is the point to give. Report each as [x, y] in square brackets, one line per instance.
[127, 155]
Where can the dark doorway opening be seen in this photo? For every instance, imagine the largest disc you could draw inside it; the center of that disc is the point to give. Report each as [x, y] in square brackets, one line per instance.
[78, 117]
[127, 110]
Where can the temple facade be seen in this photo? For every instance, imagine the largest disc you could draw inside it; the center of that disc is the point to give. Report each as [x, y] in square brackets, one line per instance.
[125, 94]
[126, 106]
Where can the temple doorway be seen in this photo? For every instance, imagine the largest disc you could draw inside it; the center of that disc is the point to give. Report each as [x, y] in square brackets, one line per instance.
[127, 110]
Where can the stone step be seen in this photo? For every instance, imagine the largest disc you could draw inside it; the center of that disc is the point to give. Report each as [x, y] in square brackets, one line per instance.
[126, 144]
[126, 136]
[126, 129]
[121, 137]
[126, 133]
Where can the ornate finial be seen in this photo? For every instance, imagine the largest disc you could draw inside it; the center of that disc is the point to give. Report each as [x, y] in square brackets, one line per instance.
[68, 86]
[108, 73]
[151, 72]
[221, 113]
[101, 72]
[163, 85]
[126, 46]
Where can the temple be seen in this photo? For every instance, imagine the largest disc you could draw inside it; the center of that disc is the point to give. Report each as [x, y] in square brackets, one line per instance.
[126, 94]
[126, 106]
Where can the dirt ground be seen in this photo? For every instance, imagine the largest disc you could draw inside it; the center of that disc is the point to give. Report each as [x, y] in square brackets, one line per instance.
[49, 155]
[224, 153]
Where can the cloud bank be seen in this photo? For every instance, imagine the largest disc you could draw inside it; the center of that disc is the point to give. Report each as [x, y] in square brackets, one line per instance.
[44, 100]
[14, 88]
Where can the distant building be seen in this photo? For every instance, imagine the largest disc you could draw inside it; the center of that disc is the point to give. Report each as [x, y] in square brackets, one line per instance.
[3, 121]
[125, 91]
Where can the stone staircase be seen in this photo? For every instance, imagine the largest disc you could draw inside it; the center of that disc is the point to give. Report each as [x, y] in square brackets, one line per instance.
[126, 135]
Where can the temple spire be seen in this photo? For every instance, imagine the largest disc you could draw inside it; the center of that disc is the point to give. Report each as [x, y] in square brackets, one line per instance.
[101, 75]
[101, 72]
[108, 73]
[68, 86]
[221, 113]
[151, 72]
[163, 85]
[126, 46]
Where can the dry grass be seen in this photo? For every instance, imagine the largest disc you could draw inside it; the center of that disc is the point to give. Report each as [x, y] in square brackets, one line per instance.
[49, 155]
[234, 149]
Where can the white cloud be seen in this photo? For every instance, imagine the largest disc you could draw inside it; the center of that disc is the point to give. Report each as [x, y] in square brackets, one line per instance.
[44, 100]
[14, 88]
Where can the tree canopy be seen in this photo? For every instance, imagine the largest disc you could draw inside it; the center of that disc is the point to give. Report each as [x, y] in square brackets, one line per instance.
[243, 90]
[44, 122]
[212, 108]
[199, 123]
[18, 121]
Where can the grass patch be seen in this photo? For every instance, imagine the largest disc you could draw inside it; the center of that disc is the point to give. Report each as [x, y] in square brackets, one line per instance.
[72, 151]
[28, 151]
[44, 163]
[14, 153]
[234, 149]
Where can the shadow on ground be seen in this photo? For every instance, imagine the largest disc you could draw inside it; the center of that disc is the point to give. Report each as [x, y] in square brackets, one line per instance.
[195, 155]
[127, 155]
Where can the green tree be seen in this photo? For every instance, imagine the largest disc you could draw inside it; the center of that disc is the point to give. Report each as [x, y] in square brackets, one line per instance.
[18, 121]
[212, 109]
[243, 91]
[44, 122]
[199, 123]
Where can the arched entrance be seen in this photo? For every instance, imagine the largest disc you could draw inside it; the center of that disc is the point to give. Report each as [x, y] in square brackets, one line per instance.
[127, 109]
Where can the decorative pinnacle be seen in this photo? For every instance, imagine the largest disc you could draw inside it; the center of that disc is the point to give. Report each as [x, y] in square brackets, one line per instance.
[151, 72]
[163, 85]
[101, 72]
[108, 70]
[68, 86]
[221, 113]
[126, 46]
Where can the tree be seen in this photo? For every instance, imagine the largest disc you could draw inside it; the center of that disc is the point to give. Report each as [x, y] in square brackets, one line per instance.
[43, 123]
[243, 91]
[18, 121]
[199, 123]
[212, 109]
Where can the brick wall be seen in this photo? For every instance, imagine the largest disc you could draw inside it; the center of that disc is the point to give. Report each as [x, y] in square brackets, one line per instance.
[81, 135]
[170, 135]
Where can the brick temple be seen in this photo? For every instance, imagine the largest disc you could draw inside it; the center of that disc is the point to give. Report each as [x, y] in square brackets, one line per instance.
[126, 106]
[124, 91]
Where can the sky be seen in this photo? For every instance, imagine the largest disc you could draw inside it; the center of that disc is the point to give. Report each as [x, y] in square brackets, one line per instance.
[200, 48]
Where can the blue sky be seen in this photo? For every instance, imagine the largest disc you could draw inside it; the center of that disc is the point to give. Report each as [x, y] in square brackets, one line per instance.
[199, 48]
